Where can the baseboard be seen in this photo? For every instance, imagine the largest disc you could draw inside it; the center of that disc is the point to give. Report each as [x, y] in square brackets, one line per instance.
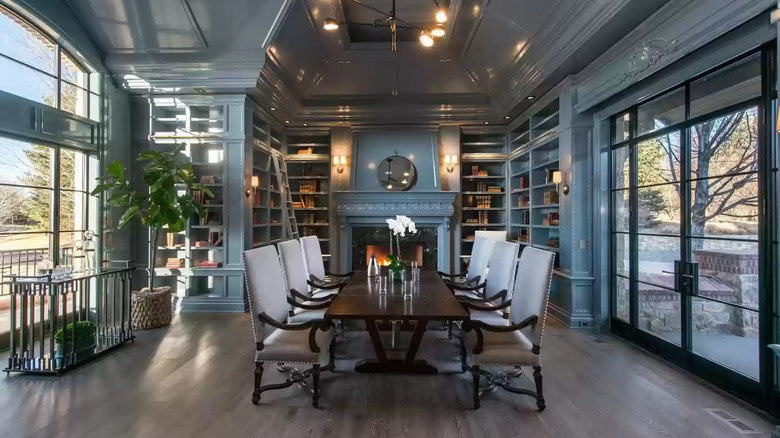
[211, 305]
[572, 321]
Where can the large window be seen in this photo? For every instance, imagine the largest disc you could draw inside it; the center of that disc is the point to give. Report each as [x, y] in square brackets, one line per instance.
[33, 66]
[47, 216]
[688, 264]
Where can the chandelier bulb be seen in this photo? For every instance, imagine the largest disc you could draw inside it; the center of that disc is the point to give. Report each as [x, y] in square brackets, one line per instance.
[426, 39]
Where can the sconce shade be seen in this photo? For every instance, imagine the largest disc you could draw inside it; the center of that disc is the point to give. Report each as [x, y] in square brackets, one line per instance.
[556, 177]
[255, 181]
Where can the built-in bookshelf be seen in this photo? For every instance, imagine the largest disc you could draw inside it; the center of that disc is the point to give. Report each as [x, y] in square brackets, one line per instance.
[222, 136]
[308, 169]
[483, 185]
[534, 207]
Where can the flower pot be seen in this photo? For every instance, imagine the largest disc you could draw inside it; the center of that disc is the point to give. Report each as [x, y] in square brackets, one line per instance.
[84, 348]
[397, 276]
[151, 309]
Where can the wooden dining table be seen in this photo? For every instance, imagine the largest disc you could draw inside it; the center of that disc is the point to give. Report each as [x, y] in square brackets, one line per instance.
[431, 300]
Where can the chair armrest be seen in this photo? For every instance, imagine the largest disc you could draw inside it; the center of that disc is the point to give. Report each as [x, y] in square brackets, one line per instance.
[304, 297]
[348, 274]
[326, 286]
[265, 319]
[314, 325]
[478, 326]
[501, 294]
[473, 306]
[322, 305]
[444, 274]
[461, 287]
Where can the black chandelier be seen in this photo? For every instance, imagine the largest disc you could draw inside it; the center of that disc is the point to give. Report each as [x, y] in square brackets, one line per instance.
[390, 20]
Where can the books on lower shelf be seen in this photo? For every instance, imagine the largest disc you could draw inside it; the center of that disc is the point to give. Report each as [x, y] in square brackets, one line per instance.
[550, 197]
[523, 183]
[209, 264]
[483, 201]
[305, 186]
[554, 242]
[306, 201]
[475, 171]
[483, 217]
[174, 263]
[552, 219]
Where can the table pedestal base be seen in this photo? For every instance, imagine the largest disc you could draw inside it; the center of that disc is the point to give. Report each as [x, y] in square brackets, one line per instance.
[398, 366]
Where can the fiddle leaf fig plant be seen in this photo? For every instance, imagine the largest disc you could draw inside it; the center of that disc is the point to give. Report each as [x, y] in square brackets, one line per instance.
[167, 203]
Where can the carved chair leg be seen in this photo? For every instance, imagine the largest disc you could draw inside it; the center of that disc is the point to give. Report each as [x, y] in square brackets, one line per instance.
[449, 329]
[258, 378]
[463, 366]
[475, 375]
[539, 394]
[315, 395]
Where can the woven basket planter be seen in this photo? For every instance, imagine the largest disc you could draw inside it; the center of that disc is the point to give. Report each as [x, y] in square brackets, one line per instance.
[151, 309]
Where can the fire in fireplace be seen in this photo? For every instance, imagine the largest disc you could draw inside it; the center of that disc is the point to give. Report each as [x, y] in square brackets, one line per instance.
[421, 247]
[409, 252]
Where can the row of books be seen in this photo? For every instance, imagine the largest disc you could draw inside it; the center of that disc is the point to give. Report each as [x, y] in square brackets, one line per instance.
[483, 201]
[483, 217]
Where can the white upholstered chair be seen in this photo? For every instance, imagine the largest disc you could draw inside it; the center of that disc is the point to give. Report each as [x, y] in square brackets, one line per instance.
[518, 344]
[478, 260]
[315, 263]
[276, 338]
[304, 305]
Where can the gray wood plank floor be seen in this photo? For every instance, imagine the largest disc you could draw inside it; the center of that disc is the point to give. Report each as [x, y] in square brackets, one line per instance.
[194, 379]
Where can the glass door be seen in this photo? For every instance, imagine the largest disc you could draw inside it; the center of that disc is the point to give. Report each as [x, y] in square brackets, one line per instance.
[688, 229]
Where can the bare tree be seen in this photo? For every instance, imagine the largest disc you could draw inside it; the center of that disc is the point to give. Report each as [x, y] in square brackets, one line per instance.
[724, 147]
[11, 202]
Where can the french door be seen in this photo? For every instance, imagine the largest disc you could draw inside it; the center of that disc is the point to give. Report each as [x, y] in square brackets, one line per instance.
[690, 245]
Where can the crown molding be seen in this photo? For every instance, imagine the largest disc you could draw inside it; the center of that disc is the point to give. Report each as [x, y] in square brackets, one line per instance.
[571, 27]
[681, 27]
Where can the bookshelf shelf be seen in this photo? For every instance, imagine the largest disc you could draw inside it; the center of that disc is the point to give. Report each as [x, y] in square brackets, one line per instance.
[309, 176]
[483, 184]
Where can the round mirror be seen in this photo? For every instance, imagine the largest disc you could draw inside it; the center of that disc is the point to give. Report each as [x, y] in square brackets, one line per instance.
[396, 174]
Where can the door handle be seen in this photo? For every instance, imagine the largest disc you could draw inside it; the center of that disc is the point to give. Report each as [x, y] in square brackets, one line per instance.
[681, 275]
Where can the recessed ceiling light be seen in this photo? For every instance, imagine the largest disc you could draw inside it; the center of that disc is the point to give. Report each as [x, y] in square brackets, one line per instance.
[305, 124]
[273, 108]
[507, 117]
[531, 97]
[287, 121]
[486, 122]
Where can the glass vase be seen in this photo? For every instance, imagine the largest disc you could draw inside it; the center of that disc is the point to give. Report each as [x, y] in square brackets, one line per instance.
[397, 276]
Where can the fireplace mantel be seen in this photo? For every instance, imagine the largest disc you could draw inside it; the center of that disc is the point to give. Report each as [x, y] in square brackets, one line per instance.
[365, 208]
[388, 204]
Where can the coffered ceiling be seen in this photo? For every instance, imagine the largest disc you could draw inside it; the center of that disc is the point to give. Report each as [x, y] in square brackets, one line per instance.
[494, 54]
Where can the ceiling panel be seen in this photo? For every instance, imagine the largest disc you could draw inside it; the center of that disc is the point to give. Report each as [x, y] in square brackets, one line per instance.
[235, 24]
[494, 48]
[297, 50]
[139, 24]
[424, 76]
[348, 79]
[419, 13]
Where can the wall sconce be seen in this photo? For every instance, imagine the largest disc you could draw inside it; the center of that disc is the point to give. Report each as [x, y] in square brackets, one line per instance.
[450, 161]
[339, 161]
[557, 178]
[255, 183]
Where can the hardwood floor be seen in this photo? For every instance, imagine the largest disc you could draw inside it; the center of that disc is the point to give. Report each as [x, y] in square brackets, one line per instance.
[194, 379]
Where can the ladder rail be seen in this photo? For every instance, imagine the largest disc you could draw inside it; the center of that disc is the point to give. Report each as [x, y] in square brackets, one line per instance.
[288, 213]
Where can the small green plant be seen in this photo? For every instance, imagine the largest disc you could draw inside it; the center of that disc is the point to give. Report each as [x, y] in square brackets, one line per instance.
[166, 203]
[81, 329]
[396, 264]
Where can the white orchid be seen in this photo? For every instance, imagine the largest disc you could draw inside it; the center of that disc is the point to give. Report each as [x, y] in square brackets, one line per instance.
[400, 225]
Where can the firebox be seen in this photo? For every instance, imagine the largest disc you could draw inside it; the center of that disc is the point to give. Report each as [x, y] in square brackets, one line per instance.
[420, 247]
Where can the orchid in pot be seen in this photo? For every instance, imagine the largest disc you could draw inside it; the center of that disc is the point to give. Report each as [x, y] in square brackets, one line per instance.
[398, 228]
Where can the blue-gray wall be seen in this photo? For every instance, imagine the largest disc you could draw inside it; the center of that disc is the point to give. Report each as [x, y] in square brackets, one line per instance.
[370, 148]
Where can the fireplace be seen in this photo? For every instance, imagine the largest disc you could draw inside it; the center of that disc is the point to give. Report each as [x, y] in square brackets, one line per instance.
[420, 247]
[361, 222]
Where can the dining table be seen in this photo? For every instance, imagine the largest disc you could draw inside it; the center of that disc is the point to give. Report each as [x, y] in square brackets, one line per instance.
[414, 304]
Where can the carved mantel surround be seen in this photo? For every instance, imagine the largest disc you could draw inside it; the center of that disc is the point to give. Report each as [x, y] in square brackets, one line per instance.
[371, 208]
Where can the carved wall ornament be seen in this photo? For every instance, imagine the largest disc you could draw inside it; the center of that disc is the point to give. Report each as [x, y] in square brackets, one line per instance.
[648, 55]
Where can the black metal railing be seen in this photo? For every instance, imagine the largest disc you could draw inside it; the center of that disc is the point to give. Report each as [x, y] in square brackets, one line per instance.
[25, 262]
[58, 324]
